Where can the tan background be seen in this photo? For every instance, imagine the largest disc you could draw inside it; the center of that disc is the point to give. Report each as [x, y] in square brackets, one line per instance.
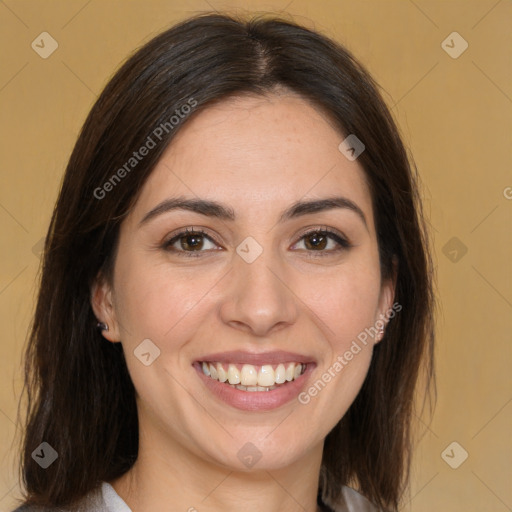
[455, 115]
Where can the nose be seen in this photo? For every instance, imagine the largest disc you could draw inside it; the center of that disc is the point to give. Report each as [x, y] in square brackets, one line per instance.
[259, 300]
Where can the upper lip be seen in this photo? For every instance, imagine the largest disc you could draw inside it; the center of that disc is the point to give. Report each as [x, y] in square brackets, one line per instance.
[256, 359]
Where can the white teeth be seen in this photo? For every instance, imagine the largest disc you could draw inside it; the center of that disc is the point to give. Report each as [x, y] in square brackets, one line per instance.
[266, 376]
[254, 388]
[280, 374]
[249, 375]
[254, 378]
[223, 376]
[233, 374]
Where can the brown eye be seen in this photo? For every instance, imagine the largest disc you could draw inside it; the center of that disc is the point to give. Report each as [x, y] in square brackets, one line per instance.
[190, 242]
[316, 240]
[323, 242]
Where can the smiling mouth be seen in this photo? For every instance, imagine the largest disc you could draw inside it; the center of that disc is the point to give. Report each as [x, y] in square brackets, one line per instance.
[248, 377]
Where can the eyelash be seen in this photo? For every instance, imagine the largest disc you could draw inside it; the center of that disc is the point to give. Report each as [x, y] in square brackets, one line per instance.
[343, 243]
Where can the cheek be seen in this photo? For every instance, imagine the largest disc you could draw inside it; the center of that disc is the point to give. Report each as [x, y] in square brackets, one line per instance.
[156, 300]
[346, 305]
[345, 300]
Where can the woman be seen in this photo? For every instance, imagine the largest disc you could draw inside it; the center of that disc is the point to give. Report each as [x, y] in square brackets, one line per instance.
[236, 298]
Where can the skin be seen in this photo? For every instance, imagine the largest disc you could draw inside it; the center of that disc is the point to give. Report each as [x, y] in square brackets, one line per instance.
[257, 155]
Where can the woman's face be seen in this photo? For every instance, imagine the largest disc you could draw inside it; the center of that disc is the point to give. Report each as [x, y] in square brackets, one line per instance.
[256, 289]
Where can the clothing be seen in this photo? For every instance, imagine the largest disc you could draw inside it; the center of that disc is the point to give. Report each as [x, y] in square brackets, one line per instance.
[106, 499]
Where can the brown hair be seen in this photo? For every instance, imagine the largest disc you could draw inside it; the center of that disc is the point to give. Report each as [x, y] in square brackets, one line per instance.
[80, 396]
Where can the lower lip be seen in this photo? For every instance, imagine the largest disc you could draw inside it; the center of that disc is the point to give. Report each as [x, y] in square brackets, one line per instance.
[256, 400]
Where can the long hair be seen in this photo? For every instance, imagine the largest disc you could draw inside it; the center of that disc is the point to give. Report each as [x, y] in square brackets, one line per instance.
[80, 398]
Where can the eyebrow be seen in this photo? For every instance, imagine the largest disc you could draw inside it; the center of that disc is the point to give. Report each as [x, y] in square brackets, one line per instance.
[217, 210]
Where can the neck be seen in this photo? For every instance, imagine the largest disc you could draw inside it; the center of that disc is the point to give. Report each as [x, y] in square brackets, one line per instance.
[168, 476]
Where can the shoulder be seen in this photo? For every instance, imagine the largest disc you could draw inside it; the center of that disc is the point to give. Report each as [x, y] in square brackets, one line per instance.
[92, 502]
[38, 508]
[351, 501]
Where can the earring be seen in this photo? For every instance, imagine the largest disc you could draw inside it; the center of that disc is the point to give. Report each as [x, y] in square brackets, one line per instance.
[102, 326]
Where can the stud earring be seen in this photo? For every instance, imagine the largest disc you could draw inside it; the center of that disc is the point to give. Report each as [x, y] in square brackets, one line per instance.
[102, 326]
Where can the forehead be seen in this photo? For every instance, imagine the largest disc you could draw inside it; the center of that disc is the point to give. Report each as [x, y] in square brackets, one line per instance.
[256, 153]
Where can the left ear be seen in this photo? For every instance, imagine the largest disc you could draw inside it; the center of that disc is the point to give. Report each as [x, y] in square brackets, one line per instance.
[386, 298]
[103, 306]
